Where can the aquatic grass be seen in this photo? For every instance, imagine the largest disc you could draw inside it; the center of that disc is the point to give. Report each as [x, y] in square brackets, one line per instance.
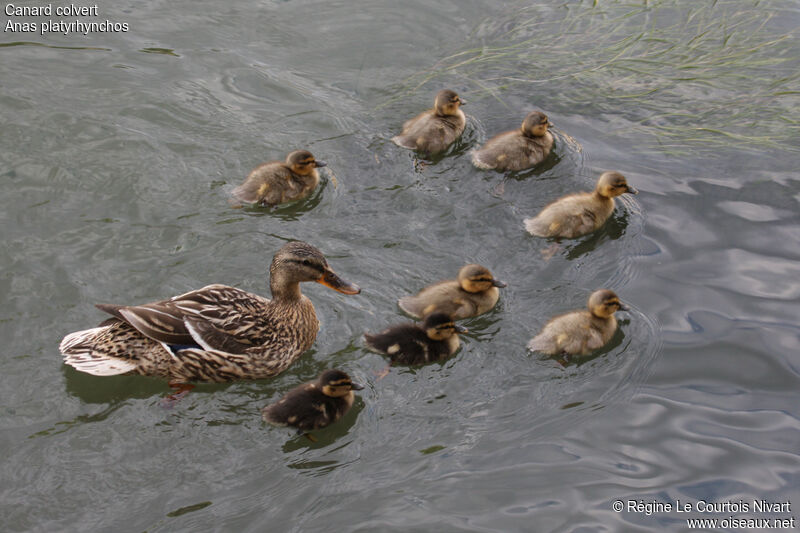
[685, 75]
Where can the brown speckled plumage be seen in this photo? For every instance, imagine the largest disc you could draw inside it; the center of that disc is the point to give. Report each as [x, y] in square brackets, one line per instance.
[217, 333]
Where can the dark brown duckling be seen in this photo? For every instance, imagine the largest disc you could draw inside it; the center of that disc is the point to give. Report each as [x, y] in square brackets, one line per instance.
[416, 344]
[279, 182]
[578, 214]
[314, 405]
[434, 130]
[517, 149]
[583, 331]
[472, 294]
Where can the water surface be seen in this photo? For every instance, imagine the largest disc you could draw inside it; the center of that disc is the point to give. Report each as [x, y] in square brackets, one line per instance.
[117, 155]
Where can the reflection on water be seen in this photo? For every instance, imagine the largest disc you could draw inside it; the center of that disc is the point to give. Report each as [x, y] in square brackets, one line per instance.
[115, 188]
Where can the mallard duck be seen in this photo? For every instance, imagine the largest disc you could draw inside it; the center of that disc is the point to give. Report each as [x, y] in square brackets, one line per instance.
[217, 333]
[582, 213]
[473, 293]
[517, 149]
[314, 405]
[580, 332]
[278, 182]
[414, 344]
[435, 129]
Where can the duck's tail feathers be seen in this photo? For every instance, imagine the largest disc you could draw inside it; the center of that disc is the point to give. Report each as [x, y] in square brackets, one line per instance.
[79, 353]
[537, 344]
[478, 162]
[373, 342]
[534, 226]
[404, 141]
[406, 303]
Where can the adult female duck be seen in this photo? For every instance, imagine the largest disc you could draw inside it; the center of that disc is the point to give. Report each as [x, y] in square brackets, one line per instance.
[217, 333]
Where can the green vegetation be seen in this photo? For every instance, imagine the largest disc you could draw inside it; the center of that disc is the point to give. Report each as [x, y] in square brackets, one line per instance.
[683, 75]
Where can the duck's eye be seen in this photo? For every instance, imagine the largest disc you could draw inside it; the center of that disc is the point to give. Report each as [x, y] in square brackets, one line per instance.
[307, 262]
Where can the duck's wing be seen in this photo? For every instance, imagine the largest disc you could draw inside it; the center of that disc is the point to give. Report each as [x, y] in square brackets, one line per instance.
[403, 343]
[256, 362]
[303, 407]
[412, 130]
[439, 296]
[212, 338]
[569, 217]
[433, 138]
[594, 340]
[499, 151]
[260, 185]
[221, 307]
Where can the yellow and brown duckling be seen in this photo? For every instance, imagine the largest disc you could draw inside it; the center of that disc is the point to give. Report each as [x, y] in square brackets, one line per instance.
[583, 331]
[314, 405]
[279, 182]
[472, 294]
[416, 344]
[217, 333]
[434, 130]
[578, 214]
[517, 149]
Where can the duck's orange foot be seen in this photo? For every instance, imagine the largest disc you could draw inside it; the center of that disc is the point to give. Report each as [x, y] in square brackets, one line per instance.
[499, 189]
[550, 251]
[383, 373]
[181, 390]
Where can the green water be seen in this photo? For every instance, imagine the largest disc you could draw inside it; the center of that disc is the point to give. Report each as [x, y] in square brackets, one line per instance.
[118, 151]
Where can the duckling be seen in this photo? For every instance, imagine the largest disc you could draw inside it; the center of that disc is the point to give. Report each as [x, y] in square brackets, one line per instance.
[578, 214]
[473, 293]
[314, 405]
[413, 344]
[217, 333]
[517, 149]
[580, 332]
[279, 182]
[435, 129]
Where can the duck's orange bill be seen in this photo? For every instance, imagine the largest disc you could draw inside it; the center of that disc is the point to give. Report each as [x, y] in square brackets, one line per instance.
[332, 280]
